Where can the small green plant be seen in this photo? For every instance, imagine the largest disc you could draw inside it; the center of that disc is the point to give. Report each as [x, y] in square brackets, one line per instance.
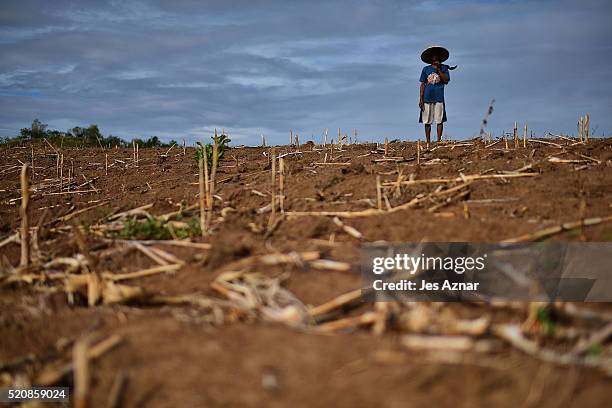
[207, 150]
[192, 229]
[152, 228]
[546, 321]
[596, 349]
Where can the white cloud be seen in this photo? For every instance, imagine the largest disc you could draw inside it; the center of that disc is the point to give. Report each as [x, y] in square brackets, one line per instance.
[190, 85]
[134, 74]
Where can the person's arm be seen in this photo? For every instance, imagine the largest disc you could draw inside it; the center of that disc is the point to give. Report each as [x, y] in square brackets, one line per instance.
[423, 79]
[421, 93]
[444, 77]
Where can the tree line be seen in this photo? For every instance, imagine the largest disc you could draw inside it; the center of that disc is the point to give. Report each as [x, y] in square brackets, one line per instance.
[81, 137]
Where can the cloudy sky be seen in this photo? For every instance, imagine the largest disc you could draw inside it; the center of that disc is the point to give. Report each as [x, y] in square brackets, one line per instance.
[177, 69]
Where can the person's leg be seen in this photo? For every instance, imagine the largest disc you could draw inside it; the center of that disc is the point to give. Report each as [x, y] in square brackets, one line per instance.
[427, 117]
[438, 116]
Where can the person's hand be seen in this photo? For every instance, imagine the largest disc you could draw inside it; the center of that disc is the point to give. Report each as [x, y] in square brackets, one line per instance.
[421, 104]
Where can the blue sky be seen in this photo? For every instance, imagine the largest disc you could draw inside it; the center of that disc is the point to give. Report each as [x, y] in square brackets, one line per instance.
[177, 69]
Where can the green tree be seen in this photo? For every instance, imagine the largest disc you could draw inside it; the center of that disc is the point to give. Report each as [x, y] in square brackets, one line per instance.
[153, 141]
[39, 129]
[92, 135]
[77, 131]
[113, 141]
[25, 133]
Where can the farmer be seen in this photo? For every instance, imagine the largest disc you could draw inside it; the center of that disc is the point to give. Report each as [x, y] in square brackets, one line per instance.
[433, 78]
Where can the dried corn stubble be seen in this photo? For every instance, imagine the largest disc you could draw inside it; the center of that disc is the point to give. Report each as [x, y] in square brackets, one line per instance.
[264, 296]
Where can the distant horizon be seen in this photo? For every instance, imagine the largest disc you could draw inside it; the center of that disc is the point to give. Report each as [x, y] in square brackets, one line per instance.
[178, 70]
[318, 140]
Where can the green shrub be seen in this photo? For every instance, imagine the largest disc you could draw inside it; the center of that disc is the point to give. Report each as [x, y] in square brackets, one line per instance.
[546, 320]
[153, 228]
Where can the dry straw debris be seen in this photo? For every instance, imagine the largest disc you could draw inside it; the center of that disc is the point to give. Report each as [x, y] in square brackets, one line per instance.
[253, 285]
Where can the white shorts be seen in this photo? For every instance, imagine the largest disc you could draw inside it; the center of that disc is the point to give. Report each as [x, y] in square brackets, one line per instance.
[432, 112]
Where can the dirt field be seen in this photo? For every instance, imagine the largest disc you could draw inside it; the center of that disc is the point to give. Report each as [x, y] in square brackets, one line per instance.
[209, 349]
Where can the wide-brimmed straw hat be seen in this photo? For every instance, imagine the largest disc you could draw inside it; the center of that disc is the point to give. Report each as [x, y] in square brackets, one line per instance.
[441, 52]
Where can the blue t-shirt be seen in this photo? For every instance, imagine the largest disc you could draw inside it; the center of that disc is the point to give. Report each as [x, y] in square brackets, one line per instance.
[434, 88]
